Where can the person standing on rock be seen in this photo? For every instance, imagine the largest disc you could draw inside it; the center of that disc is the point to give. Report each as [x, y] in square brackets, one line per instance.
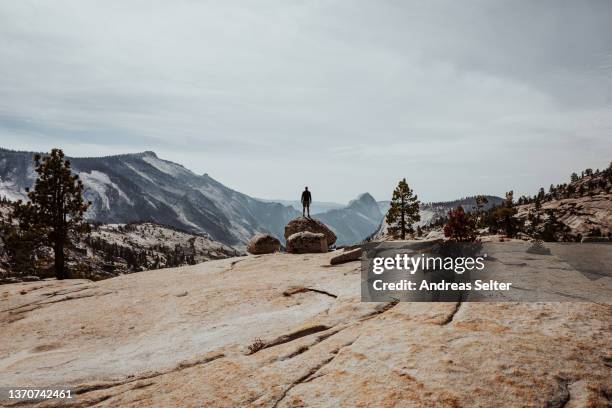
[306, 200]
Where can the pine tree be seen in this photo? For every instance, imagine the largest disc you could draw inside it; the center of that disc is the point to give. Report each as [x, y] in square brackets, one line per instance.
[503, 217]
[538, 203]
[553, 228]
[481, 202]
[541, 194]
[403, 212]
[56, 206]
[574, 177]
[510, 199]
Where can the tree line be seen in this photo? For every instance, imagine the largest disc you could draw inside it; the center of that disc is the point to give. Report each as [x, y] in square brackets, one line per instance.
[461, 225]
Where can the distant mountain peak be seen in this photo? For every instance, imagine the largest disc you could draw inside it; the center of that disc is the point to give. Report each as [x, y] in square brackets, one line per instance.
[149, 153]
[362, 199]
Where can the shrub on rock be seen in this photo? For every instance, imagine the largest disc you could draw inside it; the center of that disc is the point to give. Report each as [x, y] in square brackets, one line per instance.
[460, 226]
[302, 224]
[306, 242]
[263, 244]
[538, 248]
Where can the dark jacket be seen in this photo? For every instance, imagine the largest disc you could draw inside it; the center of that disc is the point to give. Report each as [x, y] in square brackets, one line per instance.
[306, 197]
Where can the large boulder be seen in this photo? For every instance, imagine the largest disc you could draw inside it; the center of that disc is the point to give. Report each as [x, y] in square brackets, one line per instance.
[306, 242]
[263, 244]
[302, 224]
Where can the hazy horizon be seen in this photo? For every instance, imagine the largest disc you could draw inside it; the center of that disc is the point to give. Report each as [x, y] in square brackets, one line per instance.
[296, 198]
[346, 97]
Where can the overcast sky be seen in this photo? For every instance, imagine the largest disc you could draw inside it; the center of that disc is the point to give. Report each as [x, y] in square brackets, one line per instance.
[459, 97]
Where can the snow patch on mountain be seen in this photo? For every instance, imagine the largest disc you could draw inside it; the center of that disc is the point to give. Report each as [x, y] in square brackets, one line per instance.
[11, 191]
[99, 183]
[183, 218]
[164, 166]
[139, 173]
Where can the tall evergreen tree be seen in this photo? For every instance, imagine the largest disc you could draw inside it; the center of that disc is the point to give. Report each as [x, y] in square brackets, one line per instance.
[481, 202]
[574, 177]
[403, 212]
[541, 194]
[553, 229]
[56, 206]
[538, 203]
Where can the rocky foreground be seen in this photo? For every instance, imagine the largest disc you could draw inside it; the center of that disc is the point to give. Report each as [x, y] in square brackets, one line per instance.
[286, 330]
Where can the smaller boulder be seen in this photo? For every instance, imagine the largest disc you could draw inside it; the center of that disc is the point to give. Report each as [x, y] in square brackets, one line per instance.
[263, 244]
[347, 256]
[306, 242]
[594, 239]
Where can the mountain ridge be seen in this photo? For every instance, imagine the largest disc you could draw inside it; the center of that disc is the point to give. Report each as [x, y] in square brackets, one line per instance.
[142, 187]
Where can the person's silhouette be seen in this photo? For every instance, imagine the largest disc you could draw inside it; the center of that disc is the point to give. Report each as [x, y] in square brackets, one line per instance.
[306, 200]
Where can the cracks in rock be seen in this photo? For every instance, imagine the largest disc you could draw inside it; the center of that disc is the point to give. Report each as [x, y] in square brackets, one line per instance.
[37, 305]
[233, 264]
[314, 377]
[300, 289]
[561, 399]
[321, 328]
[310, 375]
[386, 307]
[188, 364]
[179, 367]
[318, 340]
[96, 401]
[63, 292]
[324, 336]
[380, 310]
[451, 316]
[303, 379]
[294, 336]
[129, 380]
[299, 351]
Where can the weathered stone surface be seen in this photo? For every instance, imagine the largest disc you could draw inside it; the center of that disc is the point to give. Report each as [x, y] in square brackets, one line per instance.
[347, 256]
[580, 214]
[306, 242]
[302, 224]
[131, 342]
[595, 239]
[263, 244]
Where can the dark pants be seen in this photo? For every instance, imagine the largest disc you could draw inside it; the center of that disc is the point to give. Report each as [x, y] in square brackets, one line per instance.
[305, 208]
